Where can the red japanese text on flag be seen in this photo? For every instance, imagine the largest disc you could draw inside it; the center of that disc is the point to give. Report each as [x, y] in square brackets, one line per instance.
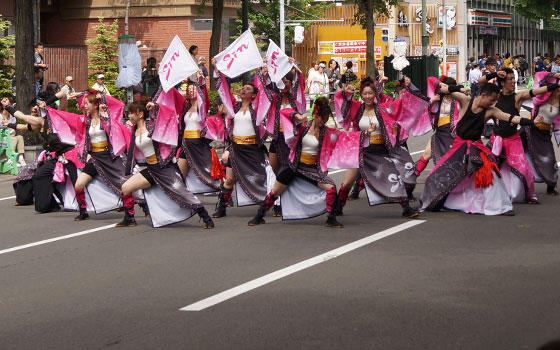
[176, 65]
[239, 57]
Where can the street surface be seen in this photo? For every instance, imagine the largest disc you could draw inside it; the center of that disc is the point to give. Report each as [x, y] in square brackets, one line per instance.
[451, 281]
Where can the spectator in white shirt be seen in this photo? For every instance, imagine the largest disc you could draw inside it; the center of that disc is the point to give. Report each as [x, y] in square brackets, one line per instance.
[67, 87]
[100, 86]
[474, 74]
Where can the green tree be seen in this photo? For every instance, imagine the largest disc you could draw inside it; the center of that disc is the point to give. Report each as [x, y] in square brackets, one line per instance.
[264, 15]
[365, 17]
[103, 56]
[535, 10]
[6, 53]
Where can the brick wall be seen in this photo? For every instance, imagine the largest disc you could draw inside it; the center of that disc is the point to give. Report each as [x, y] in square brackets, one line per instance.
[155, 33]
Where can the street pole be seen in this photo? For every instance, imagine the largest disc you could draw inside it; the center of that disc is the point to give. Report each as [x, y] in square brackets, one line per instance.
[444, 38]
[245, 15]
[424, 32]
[282, 27]
[126, 17]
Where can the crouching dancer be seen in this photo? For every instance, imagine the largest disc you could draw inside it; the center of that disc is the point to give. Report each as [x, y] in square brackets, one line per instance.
[156, 143]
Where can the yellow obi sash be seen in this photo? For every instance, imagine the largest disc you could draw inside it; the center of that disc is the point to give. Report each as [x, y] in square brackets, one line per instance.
[307, 158]
[191, 134]
[280, 127]
[245, 140]
[443, 120]
[544, 126]
[100, 146]
[376, 139]
[151, 159]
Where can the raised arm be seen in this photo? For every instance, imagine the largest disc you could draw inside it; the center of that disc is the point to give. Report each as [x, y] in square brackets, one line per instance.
[485, 78]
[458, 93]
[34, 123]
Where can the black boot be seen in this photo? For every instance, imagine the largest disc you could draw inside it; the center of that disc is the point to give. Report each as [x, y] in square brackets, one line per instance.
[128, 220]
[409, 193]
[83, 215]
[259, 218]
[277, 211]
[332, 221]
[220, 206]
[408, 211]
[355, 193]
[203, 213]
[551, 190]
[146, 210]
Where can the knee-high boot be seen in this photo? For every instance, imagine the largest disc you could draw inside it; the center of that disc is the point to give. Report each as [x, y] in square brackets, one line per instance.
[263, 208]
[223, 199]
[81, 199]
[358, 186]
[332, 207]
[203, 214]
[128, 204]
[342, 197]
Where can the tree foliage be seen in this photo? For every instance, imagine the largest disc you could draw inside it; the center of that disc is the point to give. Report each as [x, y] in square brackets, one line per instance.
[535, 10]
[264, 16]
[103, 56]
[365, 17]
[6, 42]
[380, 7]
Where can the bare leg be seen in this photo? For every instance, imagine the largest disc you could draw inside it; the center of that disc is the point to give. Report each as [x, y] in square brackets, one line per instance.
[183, 166]
[230, 179]
[135, 183]
[427, 155]
[350, 177]
[82, 182]
[274, 163]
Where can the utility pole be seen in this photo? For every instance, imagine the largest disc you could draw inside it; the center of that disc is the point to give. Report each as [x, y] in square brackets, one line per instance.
[126, 17]
[424, 32]
[282, 27]
[245, 15]
[444, 38]
[245, 26]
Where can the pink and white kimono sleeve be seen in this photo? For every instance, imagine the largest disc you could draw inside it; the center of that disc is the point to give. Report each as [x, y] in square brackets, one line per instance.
[346, 109]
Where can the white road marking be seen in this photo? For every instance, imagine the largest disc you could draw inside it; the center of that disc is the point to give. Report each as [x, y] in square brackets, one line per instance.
[50, 240]
[418, 152]
[11, 197]
[271, 277]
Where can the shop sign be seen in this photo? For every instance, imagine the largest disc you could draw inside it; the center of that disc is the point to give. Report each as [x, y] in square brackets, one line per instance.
[325, 47]
[451, 20]
[477, 18]
[501, 20]
[377, 52]
[452, 51]
[342, 47]
[488, 30]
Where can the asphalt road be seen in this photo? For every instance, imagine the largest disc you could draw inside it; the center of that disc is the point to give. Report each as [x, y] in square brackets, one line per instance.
[452, 281]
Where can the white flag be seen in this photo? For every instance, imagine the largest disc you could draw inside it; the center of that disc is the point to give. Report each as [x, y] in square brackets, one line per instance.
[240, 57]
[278, 64]
[176, 65]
